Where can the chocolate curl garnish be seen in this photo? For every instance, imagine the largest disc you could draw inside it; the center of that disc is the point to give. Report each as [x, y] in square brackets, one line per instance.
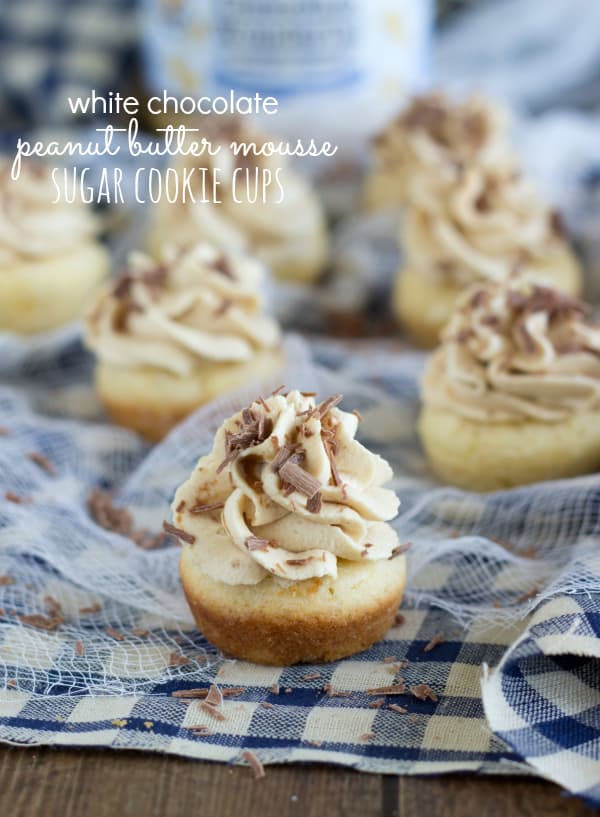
[206, 507]
[179, 533]
[257, 543]
[253, 431]
[399, 549]
[302, 481]
[223, 266]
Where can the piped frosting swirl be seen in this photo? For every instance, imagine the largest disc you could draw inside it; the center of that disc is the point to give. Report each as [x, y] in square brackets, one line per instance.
[32, 226]
[263, 207]
[483, 226]
[516, 351]
[196, 306]
[286, 492]
[426, 148]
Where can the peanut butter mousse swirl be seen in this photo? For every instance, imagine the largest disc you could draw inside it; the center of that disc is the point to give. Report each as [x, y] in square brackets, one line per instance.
[31, 225]
[515, 352]
[430, 143]
[196, 307]
[261, 201]
[286, 492]
[483, 226]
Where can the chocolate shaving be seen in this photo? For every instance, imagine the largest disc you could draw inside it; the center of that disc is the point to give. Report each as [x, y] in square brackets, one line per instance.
[140, 632]
[399, 688]
[42, 622]
[206, 508]
[377, 703]
[437, 639]
[42, 461]
[223, 266]
[305, 483]
[397, 708]
[423, 692]
[315, 503]
[214, 697]
[190, 693]
[277, 390]
[254, 763]
[557, 225]
[200, 729]
[299, 562]
[177, 659]
[10, 496]
[282, 456]
[311, 676]
[179, 533]
[224, 307]
[324, 407]
[257, 543]
[6, 581]
[336, 693]
[114, 634]
[79, 648]
[93, 608]
[212, 711]
[109, 516]
[402, 548]
[253, 431]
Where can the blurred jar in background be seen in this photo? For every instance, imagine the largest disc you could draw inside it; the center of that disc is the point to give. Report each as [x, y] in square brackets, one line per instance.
[339, 68]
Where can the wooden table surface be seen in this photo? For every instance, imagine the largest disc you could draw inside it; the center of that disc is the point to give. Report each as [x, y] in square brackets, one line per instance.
[37, 782]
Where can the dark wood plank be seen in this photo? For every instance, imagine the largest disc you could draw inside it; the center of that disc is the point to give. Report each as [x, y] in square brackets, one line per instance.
[70, 783]
[469, 796]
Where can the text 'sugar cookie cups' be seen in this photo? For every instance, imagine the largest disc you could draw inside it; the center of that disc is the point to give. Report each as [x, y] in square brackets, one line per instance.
[172, 336]
[286, 551]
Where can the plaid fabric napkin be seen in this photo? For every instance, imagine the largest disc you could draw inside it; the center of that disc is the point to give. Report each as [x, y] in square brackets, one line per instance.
[544, 697]
[115, 653]
[51, 50]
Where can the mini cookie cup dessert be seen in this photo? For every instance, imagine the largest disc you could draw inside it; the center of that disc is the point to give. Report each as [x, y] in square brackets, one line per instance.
[483, 228]
[50, 260]
[174, 335]
[287, 556]
[264, 207]
[512, 396]
[429, 144]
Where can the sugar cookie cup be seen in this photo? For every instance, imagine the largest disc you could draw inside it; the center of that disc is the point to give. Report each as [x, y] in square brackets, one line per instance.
[282, 623]
[424, 303]
[173, 335]
[512, 396]
[152, 402]
[480, 457]
[287, 556]
[43, 294]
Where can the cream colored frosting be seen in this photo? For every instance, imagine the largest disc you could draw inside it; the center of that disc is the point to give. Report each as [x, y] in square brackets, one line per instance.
[196, 306]
[516, 351]
[261, 524]
[31, 226]
[482, 227]
[273, 226]
[429, 144]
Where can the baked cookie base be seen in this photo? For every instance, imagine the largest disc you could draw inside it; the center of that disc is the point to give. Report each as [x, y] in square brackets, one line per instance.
[39, 295]
[424, 304]
[492, 456]
[279, 623]
[152, 402]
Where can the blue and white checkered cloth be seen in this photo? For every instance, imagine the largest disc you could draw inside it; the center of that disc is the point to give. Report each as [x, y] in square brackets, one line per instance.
[50, 50]
[476, 565]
